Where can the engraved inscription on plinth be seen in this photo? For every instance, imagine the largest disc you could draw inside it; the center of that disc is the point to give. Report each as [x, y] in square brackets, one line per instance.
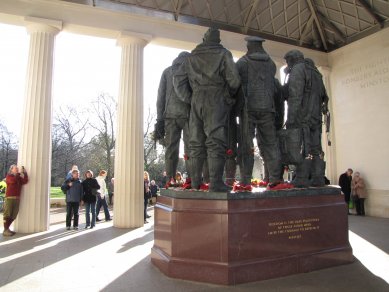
[293, 229]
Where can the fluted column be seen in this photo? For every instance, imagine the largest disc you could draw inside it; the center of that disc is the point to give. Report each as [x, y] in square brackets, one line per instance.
[129, 163]
[329, 151]
[35, 139]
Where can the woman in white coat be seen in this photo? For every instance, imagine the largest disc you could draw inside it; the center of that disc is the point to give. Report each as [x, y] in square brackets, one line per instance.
[101, 197]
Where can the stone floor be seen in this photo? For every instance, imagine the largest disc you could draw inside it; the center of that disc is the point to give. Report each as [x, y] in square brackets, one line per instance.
[113, 259]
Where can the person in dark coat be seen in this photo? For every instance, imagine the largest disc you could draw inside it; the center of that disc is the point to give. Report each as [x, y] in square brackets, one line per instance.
[90, 187]
[345, 184]
[163, 180]
[173, 117]
[74, 193]
[146, 194]
[153, 189]
[209, 80]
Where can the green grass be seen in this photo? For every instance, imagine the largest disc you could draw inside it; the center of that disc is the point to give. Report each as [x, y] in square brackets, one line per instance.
[56, 192]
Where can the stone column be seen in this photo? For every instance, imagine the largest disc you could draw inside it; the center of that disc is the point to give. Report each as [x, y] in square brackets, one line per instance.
[329, 151]
[129, 164]
[35, 139]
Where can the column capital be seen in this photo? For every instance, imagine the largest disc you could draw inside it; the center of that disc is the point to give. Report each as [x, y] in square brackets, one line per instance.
[129, 37]
[36, 24]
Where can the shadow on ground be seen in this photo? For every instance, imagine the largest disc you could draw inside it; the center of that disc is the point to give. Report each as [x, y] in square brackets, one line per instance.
[354, 277]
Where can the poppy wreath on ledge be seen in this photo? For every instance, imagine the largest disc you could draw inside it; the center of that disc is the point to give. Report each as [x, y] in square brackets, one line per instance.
[171, 183]
[242, 187]
[186, 157]
[281, 186]
[229, 152]
[188, 183]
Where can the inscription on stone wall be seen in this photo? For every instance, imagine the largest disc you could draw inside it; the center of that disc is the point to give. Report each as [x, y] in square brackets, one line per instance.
[367, 75]
[293, 229]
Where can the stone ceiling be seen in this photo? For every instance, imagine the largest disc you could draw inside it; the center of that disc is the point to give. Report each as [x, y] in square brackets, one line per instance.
[322, 25]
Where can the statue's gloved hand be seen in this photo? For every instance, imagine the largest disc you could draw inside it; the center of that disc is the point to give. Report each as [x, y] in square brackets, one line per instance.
[159, 130]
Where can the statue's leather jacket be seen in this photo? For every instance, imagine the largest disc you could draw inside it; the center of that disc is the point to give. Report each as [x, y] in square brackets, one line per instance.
[257, 71]
[169, 106]
[210, 69]
[306, 95]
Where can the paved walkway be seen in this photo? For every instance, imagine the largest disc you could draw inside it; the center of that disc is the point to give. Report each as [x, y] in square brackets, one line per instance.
[112, 259]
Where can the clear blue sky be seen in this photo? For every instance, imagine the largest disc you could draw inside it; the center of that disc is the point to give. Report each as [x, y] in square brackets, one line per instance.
[84, 67]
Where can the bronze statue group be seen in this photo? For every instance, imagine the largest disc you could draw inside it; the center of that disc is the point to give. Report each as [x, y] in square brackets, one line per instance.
[220, 106]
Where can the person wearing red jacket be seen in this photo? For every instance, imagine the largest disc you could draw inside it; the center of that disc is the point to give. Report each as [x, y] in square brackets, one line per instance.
[15, 180]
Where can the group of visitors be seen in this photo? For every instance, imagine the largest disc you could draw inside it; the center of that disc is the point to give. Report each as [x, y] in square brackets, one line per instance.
[92, 192]
[354, 191]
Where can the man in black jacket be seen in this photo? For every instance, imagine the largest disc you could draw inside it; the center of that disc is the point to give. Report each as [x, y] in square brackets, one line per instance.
[74, 192]
[345, 184]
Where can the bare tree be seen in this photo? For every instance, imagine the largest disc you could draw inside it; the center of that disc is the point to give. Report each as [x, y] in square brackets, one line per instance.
[150, 152]
[8, 149]
[154, 154]
[104, 109]
[69, 137]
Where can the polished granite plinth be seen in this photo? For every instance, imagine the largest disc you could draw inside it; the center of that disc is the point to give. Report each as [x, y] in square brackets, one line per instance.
[232, 238]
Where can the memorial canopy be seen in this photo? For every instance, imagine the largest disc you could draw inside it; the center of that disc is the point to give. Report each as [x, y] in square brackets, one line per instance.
[323, 25]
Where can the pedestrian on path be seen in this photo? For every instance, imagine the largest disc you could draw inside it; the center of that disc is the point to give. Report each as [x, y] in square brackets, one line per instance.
[154, 190]
[90, 188]
[345, 185]
[147, 195]
[15, 180]
[359, 194]
[74, 192]
[102, 195]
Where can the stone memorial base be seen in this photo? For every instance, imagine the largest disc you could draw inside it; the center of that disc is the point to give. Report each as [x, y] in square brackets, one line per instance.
[232, 238]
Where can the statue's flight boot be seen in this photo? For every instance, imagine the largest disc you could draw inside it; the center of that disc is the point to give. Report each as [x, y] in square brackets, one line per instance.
[317, 172]
[230, 168]
[216, 168]
[170, 173]
[302, 174]
[248, 164]
[196, 167]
